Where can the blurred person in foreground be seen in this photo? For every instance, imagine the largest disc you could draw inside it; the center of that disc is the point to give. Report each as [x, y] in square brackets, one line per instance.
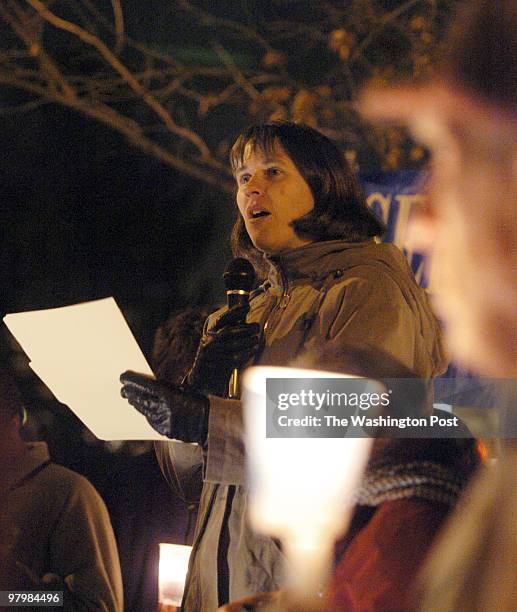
[55, 532]
[304, 223]
[467, 116]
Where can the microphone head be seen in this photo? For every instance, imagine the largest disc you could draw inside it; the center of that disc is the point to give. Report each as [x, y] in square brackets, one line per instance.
[239, 275]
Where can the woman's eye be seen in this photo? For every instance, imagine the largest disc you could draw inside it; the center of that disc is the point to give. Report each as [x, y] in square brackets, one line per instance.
[273, 171]
[244, 178]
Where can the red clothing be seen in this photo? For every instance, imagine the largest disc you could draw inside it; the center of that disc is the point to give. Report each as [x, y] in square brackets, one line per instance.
[385, 555]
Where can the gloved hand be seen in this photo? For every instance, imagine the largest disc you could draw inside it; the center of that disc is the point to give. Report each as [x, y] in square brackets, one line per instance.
[229, 344]
[173, 411]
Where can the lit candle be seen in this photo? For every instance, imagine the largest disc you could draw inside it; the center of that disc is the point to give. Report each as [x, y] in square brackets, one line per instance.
[173, 568]
[301, 488]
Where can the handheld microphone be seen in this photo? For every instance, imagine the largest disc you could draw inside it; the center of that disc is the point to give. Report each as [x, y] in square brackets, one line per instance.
[239, 278]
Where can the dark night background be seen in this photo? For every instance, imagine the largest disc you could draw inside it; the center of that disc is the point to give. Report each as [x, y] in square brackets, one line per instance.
[86, 215]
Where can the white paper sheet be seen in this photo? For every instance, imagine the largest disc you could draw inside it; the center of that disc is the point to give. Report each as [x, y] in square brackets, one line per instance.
[79, 352]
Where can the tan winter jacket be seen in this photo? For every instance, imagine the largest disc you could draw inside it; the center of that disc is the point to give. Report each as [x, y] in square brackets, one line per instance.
[323, 296]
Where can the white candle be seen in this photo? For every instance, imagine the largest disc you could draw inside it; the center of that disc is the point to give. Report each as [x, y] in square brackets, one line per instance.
[301, 489]
[173, 568]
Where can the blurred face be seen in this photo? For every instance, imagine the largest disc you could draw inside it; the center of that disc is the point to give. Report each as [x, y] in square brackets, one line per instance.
[271, 193]
[469, 226]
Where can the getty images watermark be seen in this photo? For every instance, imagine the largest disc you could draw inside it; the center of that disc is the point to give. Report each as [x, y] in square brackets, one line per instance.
[357, 407]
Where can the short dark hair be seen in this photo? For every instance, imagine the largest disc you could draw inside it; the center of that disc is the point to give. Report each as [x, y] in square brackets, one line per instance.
[340, 209]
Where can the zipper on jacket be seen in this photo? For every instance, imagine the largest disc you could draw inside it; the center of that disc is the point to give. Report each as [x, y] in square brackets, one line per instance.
[284, 298]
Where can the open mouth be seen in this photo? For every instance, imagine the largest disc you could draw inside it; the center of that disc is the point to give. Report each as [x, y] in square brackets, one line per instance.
[257, 214]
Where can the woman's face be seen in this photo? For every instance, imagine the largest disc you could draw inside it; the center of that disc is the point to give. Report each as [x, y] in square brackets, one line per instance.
[271, 194]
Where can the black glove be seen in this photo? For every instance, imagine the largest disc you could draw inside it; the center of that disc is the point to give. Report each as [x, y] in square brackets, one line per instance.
[229, 344]
[173, 411]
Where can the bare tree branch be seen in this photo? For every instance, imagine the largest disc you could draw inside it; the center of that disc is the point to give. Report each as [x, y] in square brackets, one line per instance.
[113, 61]
[183, 104]
[235, 72]
[386, 19]
[48, 67]
[119, 25]
[238, 29]
[128, 128]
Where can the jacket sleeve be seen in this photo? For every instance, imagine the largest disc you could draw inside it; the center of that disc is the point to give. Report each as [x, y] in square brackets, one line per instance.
[225, 461]
[182, 465]
[83, 551]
